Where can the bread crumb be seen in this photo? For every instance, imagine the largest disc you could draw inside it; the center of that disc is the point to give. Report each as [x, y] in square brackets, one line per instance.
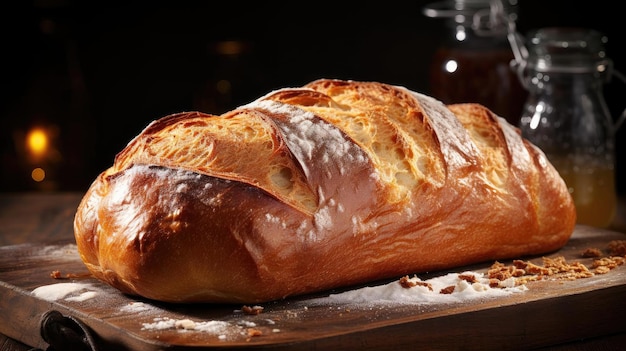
[254, 310]
[609, 262]
[557, 268]
[602, 270]
[254, 332]
[56, 274]
[407, 283]
[591, 252]
[447, 290]
[470, 278]
[186, 324]
[617, 248]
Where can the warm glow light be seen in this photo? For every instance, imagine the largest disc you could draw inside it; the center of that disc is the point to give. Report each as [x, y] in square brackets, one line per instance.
[37, 141]
[230, 47]
[38, 174]
[223, 86]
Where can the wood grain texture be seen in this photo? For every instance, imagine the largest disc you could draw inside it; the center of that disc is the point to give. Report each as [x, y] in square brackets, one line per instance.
[37, 217]
[549, 313]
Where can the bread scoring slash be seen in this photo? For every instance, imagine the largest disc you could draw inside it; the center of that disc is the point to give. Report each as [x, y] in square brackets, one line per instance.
[307, 189]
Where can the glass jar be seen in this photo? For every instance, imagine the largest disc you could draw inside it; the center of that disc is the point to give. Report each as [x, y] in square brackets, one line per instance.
[567, 117]
[473, 62]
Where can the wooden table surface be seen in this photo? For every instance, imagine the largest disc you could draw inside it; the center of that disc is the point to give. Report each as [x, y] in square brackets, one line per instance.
[47, 217]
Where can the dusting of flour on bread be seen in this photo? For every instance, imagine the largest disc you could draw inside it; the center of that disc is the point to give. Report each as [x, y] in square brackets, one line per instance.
[444, 120]
[311, 134]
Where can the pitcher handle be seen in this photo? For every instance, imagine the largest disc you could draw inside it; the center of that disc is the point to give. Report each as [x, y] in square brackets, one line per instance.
[622, 117]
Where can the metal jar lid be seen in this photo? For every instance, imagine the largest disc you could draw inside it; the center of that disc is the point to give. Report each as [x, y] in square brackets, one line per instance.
[486, 17]
[567, 50]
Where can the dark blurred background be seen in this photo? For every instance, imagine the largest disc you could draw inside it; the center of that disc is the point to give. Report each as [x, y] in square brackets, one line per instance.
[92, 75]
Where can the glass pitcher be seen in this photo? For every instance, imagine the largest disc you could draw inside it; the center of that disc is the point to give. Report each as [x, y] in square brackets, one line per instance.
[565, 114]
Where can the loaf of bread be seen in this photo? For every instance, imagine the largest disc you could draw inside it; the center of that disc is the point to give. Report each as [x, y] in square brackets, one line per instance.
[333, 184]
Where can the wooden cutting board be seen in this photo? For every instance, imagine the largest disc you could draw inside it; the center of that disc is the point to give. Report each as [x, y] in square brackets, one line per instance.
[548, 313]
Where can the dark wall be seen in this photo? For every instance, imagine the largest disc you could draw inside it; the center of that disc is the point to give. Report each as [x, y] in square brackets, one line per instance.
[95, 74]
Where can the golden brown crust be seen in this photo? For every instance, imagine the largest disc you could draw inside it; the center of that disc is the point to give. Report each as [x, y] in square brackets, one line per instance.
[307, 189]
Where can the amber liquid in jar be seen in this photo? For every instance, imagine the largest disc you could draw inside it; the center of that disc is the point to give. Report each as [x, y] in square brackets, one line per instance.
[592, 188]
